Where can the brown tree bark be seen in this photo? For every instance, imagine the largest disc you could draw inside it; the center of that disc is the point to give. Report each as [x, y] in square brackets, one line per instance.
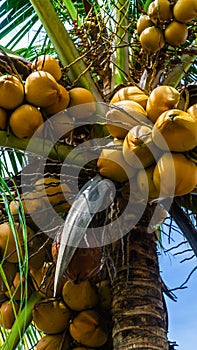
[138, 312]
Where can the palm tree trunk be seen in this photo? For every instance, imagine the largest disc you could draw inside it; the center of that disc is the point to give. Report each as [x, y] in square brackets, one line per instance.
[138, 311]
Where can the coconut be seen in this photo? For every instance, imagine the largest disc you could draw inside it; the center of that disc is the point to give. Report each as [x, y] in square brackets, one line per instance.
[85, 101]
[51, 316]
[8, 310]
[176, 33]
[11, 91]
[152, 40]
[25, 120]
[174, 175]
[185, 11]
[61, 103]
[111, 163]
[53, 342]
[132, 93]
[48, 64]
[161, 99]
[159, 10]
[143, 22]
[41, 89]
[80, 296]
[138, 145]
[88, 328]
[177, 128]
[122, 116]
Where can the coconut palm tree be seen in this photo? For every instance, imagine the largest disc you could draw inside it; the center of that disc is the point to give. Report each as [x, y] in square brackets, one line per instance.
[99, 49]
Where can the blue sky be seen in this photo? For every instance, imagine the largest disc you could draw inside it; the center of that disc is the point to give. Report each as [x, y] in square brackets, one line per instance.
[183, 312]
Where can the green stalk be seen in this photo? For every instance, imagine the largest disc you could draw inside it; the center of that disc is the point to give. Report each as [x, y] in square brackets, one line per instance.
[64, 46]
[72, 11]
[121, 54]
[23, 320]
[43, 148]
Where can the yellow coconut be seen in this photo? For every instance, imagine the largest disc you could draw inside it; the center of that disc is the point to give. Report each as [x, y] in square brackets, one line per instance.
[8, 310]
[88, 328]
[185, 10]
[41, 89]
[32, 203]
[61, 103]
[143, 22]
[130, 93]
[112, 165]
[145, 183]
[85, 101]
[11, 91]
[56, 193]
[177, 128]
[161, 99]
[139, 151]
[9, 241]
[18, 289]
[80, 296]
[48, 63]
[152, 40]
[159, 10]
[3, 119]
[122, 116]
[25, 120]
[193, 111]
[53, 342]
[51, 316]
[175, 175]
[176, 33]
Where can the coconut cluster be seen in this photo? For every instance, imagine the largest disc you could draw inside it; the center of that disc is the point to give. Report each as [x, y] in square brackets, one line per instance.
[166, 22]
[78, 317]
[152, 139]
[25, 105]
